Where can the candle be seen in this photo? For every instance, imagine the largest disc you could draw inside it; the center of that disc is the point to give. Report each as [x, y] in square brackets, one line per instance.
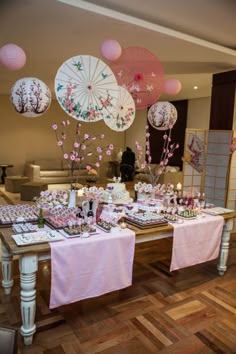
[80, 193]
[179, 187]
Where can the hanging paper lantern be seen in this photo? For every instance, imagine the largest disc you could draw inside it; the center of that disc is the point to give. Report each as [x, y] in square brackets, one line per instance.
[111, 49]
[30, 97]
[12, 57]
[162, 115]
[172, 87]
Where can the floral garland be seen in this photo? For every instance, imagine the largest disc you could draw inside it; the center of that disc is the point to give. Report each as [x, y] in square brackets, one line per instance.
[145, 163]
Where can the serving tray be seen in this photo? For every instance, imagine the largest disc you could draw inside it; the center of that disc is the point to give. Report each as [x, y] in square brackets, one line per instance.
[33, 238]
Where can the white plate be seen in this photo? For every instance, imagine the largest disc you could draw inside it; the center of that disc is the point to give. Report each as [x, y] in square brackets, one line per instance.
[217, 211]
[33, 238]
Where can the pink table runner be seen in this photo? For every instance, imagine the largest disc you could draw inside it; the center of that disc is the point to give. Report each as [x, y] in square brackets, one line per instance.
[196, 241]
[89, 267]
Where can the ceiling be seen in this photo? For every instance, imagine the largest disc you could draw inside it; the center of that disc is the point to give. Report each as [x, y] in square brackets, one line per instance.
[193, 39]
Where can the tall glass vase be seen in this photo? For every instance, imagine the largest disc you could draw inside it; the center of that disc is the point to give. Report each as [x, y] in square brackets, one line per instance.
[72, 198]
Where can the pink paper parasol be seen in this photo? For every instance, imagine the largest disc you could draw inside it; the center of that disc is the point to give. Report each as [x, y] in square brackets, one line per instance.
[141, 73]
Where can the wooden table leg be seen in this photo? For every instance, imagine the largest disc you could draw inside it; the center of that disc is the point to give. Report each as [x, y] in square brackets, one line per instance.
[28, 267]
[7, 269]
[224, 247]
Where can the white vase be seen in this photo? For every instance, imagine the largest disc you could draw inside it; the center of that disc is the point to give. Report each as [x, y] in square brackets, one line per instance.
[72, 198]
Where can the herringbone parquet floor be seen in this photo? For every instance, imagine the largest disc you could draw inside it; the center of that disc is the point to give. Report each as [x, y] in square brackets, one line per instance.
[192, 310]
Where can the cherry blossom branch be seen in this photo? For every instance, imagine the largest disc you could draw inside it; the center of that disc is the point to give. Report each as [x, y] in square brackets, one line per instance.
[82, 147]
[167, 152]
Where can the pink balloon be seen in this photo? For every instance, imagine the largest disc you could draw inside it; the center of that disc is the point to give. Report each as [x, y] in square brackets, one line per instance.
[172, 87]
[12, 57]
[111, 49]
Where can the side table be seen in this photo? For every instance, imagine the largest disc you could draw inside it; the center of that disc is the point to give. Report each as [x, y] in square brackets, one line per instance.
[4, 173]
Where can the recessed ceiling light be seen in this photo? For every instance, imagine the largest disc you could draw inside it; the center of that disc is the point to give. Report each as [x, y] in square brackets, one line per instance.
[195, 87]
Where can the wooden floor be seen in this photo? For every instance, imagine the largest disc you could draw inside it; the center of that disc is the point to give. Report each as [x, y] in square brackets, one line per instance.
[187, 311]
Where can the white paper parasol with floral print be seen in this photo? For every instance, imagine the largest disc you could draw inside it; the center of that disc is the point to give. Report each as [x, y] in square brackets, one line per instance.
[86, 88]
[124, 112]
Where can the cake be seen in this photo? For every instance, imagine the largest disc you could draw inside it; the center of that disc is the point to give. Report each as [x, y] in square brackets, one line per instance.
[116, 193]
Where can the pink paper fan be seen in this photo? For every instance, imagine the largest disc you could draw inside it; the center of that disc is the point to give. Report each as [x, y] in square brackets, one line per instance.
[141, 73]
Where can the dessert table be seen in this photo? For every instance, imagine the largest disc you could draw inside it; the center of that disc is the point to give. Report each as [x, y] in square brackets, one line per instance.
[30, 255]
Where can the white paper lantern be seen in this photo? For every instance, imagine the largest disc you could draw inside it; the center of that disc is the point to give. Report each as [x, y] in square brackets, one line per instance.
[30, 97]
[162, 115]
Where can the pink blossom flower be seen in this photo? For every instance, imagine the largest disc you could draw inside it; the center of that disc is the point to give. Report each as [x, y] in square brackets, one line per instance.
[88, 167]
[108, 152]
[72, 157]
[86, 136]
[99, 149]
[60, 143]
[102, 136]
[97, 164]
[83, 147]
[65, 156]
[99, 157]
[76, 145]
[111, 146]
[54, 126]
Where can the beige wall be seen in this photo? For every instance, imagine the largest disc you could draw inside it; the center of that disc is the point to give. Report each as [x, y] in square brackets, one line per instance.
[25, 139]
[199, 113]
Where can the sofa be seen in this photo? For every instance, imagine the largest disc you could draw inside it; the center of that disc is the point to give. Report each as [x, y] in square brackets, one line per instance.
[171, 175]
[52, 171]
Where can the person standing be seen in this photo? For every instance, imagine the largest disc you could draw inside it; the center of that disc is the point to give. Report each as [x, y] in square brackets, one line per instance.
[127, 165]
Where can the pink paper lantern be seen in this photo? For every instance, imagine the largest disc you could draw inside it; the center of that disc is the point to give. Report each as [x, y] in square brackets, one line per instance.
[30, 97]
[111, 49]
[172, 87]
[12, 57]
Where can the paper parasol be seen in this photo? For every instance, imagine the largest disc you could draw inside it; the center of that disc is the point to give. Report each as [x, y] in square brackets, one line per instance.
[141, 73]
[86, 88]
[162, 115]
[124, 112]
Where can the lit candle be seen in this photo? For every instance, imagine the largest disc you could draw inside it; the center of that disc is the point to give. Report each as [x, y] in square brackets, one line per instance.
[179, 187]
[80, 193]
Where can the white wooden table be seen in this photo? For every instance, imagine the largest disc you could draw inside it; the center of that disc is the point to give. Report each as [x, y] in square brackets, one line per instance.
[29, 256]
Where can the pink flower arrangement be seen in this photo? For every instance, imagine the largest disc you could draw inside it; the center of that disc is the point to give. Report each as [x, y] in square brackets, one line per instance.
[82, 148]
[144, 158]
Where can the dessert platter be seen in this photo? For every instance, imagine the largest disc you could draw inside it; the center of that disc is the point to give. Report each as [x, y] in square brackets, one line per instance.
[33, 238]
[10, 214]
[144, 218]
[79, 230]
[188, 214]
[24, 227]
[105, 225]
